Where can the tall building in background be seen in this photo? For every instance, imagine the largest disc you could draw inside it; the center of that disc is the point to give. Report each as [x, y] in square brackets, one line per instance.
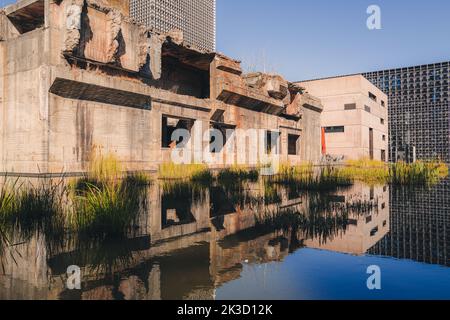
[196, 18]
[419, 122]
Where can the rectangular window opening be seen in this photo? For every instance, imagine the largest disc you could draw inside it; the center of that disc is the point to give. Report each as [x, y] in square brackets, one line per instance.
[350, 106]
[169, 126]
[336, 129]
[293, 144]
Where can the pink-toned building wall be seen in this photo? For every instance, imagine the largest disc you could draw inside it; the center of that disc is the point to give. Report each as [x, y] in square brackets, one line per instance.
[366, 113]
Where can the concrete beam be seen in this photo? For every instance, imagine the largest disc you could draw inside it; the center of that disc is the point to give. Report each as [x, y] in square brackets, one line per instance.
[27, 15]
[19, 5]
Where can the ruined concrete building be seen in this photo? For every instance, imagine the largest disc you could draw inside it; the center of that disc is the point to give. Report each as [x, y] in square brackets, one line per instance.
[79, 75]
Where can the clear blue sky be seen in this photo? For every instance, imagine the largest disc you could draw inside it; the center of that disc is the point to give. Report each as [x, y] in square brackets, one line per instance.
[308, 39]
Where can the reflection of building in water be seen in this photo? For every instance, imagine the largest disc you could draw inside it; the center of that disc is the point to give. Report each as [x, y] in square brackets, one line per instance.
[187, 246]
[420, 224]
[365, 229]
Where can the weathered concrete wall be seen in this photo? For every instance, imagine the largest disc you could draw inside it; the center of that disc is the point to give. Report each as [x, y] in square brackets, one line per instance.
[24, 105]
[311, 148]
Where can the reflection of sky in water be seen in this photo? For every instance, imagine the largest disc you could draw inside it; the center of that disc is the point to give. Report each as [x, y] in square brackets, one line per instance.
[315, 274]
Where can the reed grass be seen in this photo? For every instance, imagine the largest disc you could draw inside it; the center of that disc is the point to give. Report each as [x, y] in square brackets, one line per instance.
[418, 173]
[323, 218]
[271, 194]
[307, 178]
[137, 179]
[104, 168]
[106, 210]
[400, 173]
[236, 174]
[366, 170]
[204, 177]
[8, 199]
[172, 171]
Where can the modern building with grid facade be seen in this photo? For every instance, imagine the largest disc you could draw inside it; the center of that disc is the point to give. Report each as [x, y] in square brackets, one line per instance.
[196, 18]
[420, 225]
[419, 122]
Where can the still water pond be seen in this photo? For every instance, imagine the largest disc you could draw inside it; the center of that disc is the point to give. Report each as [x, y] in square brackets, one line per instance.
[239, 242]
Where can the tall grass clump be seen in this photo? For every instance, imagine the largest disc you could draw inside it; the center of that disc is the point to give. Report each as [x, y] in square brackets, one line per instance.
[321, 225]
[137, 179]
[307, 178]
[8, 207]
[104, 168]
[42, 206]
[288, 172]
[418, 173]
[401, 173]
[30, 208]
[106, 202]
[366, 170]
[236, 174]
[106, 210]
[8, 200]
[271, 194]
[195, 172]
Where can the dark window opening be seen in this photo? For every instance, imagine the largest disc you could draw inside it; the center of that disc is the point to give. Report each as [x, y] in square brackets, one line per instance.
[374, 232]
[382, 121]
[338, 129]
[221, 205]
[351, 106]
[293, 141]
[272, 142]
[383, 155]
[367, 108]
[372, 96]
[383, 104]
[169, 126]
[226, 133]
[176, 208]
[371, 144]
[180, 78]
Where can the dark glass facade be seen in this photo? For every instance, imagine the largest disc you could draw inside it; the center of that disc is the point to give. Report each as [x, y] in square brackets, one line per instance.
[420, 225]
[419, 122]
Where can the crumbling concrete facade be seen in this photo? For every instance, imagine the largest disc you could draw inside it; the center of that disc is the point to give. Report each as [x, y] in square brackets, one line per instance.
[79, 76]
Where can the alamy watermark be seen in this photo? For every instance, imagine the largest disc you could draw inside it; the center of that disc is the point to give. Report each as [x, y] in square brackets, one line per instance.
[374, 19]
[74, 278]
[248, 147]
[374, 280]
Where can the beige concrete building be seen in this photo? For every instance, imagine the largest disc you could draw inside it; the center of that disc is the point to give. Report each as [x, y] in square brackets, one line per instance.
[365, 229]
[355, 117]
[78, 76]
